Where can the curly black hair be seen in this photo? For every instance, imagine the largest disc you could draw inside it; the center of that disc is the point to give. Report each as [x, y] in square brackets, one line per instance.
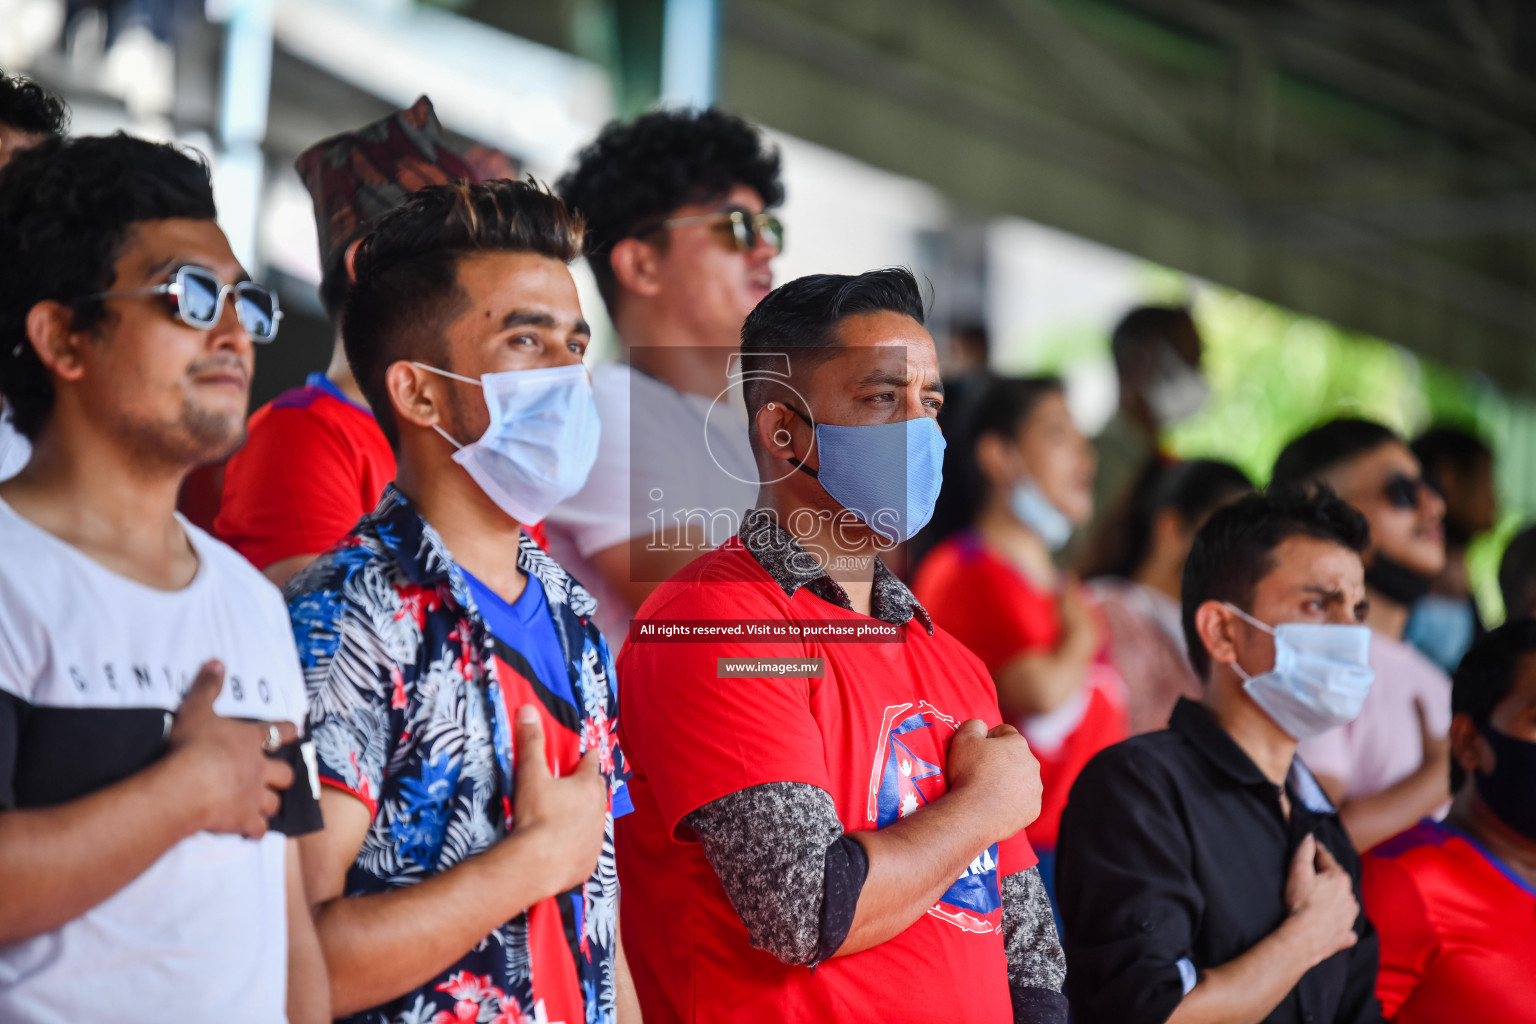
[407, 271]
[27, 107]
[634, 175]
[1234, 549]
[66, 209]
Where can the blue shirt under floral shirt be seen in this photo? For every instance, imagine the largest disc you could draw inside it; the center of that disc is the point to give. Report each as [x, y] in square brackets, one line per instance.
[413, 685]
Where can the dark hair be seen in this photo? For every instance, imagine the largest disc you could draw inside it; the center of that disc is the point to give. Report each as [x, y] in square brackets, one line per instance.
[1194, 489]
[632, 176]
[1486, 676]
[407, 271]
[1144, 326]
[1234, 549]
[1320, 449]
[66, 207]
[1001, 406]
[1517, 575]
[28, 107]
[1442, 445]
[803, 315]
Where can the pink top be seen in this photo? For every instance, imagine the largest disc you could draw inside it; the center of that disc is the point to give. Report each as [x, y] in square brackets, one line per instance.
[1382, 746]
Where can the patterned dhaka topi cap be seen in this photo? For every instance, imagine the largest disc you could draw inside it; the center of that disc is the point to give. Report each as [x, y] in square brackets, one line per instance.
[357, 177]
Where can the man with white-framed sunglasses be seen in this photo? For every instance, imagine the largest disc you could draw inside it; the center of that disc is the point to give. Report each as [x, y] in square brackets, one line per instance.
[152, 782]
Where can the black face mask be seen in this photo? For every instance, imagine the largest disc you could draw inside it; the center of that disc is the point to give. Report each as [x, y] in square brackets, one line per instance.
[1395, 581]
[1510, 789]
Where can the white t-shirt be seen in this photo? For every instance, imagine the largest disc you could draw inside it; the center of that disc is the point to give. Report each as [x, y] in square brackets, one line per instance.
[202, 934]
[1382, 746]
[15, 449]
[666, 459]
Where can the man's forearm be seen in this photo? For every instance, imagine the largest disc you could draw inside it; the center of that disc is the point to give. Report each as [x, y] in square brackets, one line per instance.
[380, 946]
[1372, 819]
[911, 863]
[1246, 989]
[58, 862]
[309, 996]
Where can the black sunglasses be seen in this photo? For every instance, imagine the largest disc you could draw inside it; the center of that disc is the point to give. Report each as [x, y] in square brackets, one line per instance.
[198, 297]
[746, 227]
[1403, 491]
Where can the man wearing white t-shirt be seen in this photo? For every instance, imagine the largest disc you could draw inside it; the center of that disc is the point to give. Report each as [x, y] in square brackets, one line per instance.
[679, 242]
[150, 689]
[1390, 766]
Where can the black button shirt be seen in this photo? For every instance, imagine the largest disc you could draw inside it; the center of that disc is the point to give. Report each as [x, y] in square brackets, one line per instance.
[1174, 847]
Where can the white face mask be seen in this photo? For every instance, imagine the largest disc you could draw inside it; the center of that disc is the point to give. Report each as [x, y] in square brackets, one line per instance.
[1321, 676]
[1031, 507]
[1177, 390]
[541, 441]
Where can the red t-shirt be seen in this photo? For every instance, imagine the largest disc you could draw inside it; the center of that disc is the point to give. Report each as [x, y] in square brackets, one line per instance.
[993, 609]
[874, 733]
[1457, 930]
[312, 465]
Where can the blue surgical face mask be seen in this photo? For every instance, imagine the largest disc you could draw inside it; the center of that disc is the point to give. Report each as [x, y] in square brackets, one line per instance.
[541, 441]
[1031, 507]
[1321, 676]
[1442, 627]
[887, 474]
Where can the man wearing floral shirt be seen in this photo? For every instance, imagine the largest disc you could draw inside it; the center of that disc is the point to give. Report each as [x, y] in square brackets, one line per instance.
[461, 700]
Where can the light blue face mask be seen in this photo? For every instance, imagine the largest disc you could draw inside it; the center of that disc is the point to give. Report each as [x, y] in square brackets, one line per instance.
[541, 441]
[1321, 676]
[1031, 507]
[1442, 627]
[887, 474]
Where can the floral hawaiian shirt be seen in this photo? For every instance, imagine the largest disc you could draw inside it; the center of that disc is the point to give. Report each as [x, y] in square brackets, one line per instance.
[409, 700]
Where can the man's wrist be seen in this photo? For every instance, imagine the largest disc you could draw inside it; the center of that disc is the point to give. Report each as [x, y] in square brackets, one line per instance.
[1296, 935]
[522, 862]
[175, 782]
[971, 808]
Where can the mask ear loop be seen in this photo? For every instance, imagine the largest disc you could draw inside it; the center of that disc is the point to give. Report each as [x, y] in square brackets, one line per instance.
[802, 467]
[1252, 622]
[455, 376]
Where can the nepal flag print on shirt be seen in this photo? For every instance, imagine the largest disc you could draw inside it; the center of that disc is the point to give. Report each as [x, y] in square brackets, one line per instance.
[910, 755]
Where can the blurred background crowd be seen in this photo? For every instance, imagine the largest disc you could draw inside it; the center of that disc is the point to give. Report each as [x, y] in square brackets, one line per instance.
[1340, 193]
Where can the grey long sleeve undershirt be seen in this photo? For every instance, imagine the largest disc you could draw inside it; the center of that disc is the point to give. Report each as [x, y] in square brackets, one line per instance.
[772, 847]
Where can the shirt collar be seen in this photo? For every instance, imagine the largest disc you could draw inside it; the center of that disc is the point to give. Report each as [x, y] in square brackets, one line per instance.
[792, 567]
[1194, 721]
[425, 560]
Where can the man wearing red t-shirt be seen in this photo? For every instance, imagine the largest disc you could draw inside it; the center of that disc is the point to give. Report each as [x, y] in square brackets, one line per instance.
[1455, 902]
[315, 460]
[839, 839]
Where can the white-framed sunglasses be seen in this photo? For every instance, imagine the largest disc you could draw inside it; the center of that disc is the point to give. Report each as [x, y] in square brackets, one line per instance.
[198, 296]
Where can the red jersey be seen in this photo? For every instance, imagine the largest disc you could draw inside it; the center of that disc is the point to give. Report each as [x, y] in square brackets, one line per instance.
[873, 733]
[312, 465]
[1457, 930]
[992, 608]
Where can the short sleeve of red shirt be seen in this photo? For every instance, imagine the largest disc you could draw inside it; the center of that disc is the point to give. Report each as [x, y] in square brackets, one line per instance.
[984, 604]
[312, 465]
[698, 737]
[1396, 908]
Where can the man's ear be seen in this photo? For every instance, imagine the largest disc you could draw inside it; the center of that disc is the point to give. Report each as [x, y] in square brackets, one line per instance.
[636, 266]
[992, 459]
[412, 394]
[52, 335]
[1468, 748]
[775, 426]
[1216, 625]
[349, 260]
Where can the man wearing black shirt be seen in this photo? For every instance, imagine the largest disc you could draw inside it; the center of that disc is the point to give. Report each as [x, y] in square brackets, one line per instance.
[1202, 873]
